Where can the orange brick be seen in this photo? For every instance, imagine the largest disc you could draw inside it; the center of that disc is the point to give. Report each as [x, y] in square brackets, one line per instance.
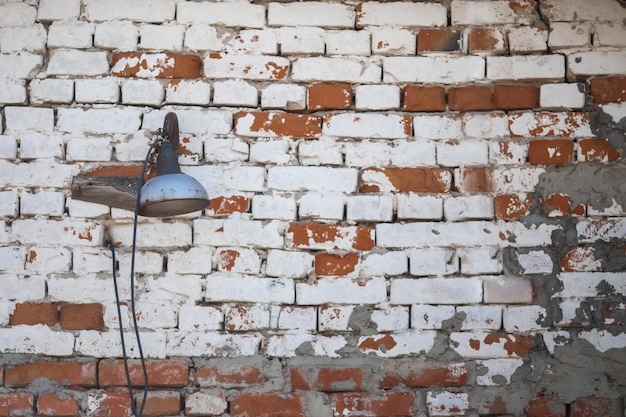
[386, 404]
[162, 403]
[416, 375]
[559, 205]
[551, 152]
[515, 97]
[158, 65]
[267, 404]
[423, 99]
[472, 98]
[56, 405]
[16, 404]
[65, 373]
[35, 313]
[115, 171]
[511, 207]
[476, 179]
[223, 206]
[280, 124]
[326, 379]
[487, 40]
[330, 264]
[608, 90]
[419, 180]
[309, 234]
[82, 316]
[545, 407]
[593, 407]
[161, 373]
[438, 40]
[599, 150]
[329, 96]
[229, 376]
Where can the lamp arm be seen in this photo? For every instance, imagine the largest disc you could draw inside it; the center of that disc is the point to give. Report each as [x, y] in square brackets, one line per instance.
[170, 129]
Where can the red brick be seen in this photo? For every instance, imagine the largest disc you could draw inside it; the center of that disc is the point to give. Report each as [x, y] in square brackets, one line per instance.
[224, 206]
[109, 404]
[608, 90]
[163, 403]
[487, 40]
[35, 313]
[472, 98]
[438, 40]
[158, 65]
[304, 234]
[559, 204]
[53, 404]
[551, 152]
[326, 379]
[580, 259]
[161, 373]
[418, 180]
[545, 407]
[281, 124]
[599, 150]
[331, 264]
[477, 179]
[385, 405]
[511, 206]
[82, 316]
[66, 373]
[267, 404]
[424, 99]
[115, 171]
[592, 407]
[229, 376]
[515, 97]
[416, 375]
[336, 96]
[16, 404]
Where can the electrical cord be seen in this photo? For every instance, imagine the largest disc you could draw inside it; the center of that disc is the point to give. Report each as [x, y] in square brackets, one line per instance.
[132, 296]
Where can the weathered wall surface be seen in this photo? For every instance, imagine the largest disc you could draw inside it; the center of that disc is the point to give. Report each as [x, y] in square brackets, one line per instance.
[417, 207]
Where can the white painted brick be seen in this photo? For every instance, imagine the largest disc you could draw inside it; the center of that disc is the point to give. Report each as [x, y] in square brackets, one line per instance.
[91, 260]
[574, 10]
[161, 315]
[315, 13]
[188, 92]
[535, 262]
[12, 258]
[270, 152]
[238, 232]
[568, 124]
[609, 34]
[402, 13]
[507, 290]
[13, 91]
[367, 125]
[334, 318]
[102, 90]
[522, 235]
[592, 230]
[474, 345]
[242, 178]
[433, 261]
[324, 151]
[89, 288]
[436, 291]
[507, 152]
[8, 146]
[23, 288]
[341, 291]
[192, 150]
[195, 260]
[425, 316]
[58, 10]
[8, 204]
[321, 206]
[152, 234]
[369, 208]
[348, 42]
[465, 12]
[222, 14]
[29, 118]
[6, 310]
[203, 37]
[77, 34]
[425, 234]
[528, 39]
[45, 203]
[37, 339]
[424, 207]
[43, 173]
[43, 91]
[377, 97]
[117, 35]
[57, 232]
[225, 150]
[566, 35]
[238, 260]
[385, 264]
[107, 344]
[173, 288]
[481, 317]
[148, 92]
[131, 147]
[246, 318]
[88, 149]
[75, 62]
[99, 120]
[19, 66]
[19, 39]
[496, 369]
[161, 37]
[301, 40]
[485, 125]
[323, 179]
[200, 318]
[262, 41]
[446, 403]
[523, 319]
[235, 93]
[526, 67]
[146, 262]
[595, 63]
[433, 69]
[367, 154]
[603, 340]
[249, 289]
[475, 261]
[288, 345]
[466, 152]
[34, 145]
[516, 180]
[391, 41]
[287, 264]
[192, 121]
[247, 67]
[437, 126]
[390, 318]
[17, 14]
[4, 232]
[160, 10]
[283, 96]
[463, 208]
[412, 153]
[342, 69]
[204, 403]
[410, 342]
[586, 284]
[273, 207]
[296, 318]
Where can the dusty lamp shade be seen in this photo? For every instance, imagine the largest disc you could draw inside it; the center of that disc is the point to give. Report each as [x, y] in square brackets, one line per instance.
[171, 192]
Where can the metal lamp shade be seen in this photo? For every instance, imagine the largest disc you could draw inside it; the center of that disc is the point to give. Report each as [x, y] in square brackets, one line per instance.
[171, 195]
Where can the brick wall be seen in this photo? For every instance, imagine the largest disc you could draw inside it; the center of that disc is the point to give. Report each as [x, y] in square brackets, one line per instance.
[417, 208]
